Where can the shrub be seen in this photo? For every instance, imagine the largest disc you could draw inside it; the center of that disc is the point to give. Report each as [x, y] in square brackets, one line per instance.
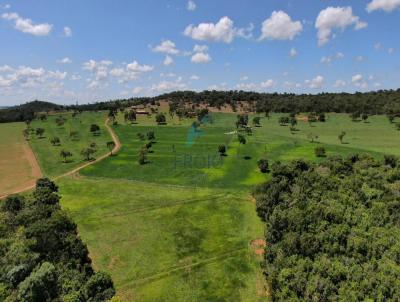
[320, 151]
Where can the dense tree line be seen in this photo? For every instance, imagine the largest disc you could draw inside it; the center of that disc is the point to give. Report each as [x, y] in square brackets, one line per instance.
[333, 230]
[26, 112]
[375, 102]
[41, 256]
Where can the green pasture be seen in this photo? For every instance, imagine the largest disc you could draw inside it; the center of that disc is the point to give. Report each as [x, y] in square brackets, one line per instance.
[167, 243]
[50, 161]
[179, 228]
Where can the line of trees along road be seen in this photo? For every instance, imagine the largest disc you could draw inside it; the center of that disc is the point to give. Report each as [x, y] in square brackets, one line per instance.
[332, 230]
[41, 255]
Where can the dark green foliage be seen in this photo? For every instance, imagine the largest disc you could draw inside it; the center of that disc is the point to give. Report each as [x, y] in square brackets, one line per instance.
[95, 129]
[222, 150]
[256, 121]
[55, 141]
[87, 153]
[284, 120]
[320, 152]
[142, 156]
[263, 165]
[26, 111]
[332, 230]
[160, 119]
[40, 132]
[241, 139]
[242, 120]
[150, 135]
[390, 160]
[41, 256]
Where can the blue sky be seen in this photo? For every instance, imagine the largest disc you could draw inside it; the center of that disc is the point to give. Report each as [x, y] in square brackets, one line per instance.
[85, 51]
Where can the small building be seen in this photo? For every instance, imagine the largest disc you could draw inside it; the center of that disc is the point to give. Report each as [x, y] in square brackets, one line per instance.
[141, 111]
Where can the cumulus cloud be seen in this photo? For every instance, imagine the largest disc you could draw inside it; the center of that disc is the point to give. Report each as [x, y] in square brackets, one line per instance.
[167, 47]
[316, 83]
[67, 31]
[168, 60]
[293, 52]
[280, 27]
[268, 84]
[165, 86]
[386, 5]
[130, 71]
[191, 5]
[27, 25]
[65, 60]
[333, 18]
[195, 77]
[340, 83]
[358, 81]
[330, 59]
[222, 31]
[356, 78]
[200, 57]
[200, 48]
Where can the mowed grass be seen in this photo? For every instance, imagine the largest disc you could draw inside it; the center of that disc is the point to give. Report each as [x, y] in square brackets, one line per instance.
[49, 158]
[168, 243]
[15, 168]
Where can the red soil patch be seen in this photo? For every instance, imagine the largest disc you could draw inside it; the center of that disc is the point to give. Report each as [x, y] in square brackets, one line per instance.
[258, 246]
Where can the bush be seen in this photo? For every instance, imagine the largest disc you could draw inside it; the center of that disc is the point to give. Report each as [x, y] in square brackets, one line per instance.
[320, 151]
[263, 165]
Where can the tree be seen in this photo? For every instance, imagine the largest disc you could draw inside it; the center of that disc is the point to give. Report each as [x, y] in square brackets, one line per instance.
[364, 117]
[142, 156]
[55, 141]
[320, 152]
[13, 204]
[87, 153]
[355, 116]
[284, 120]
[242, 120]
[73, 134]
[160, 119]
[150, 135]
[95, 129]
[140, 136]
[130, 116]
[43, 117]
[25, 133]
[46, 183]
[60, 121]
[99, 288]
[195, 125]
[242, 139]
[111, 146]
[222, 150]
[321, 117]
[293, 122]
[312, 137]
[263, 165]
[256, 121]
[65, 154]
[341, 136]
[40, 132]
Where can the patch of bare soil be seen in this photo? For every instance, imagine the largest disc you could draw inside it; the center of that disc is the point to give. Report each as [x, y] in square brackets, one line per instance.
[258, 245]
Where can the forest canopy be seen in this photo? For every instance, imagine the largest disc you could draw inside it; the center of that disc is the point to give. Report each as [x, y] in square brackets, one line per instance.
[41, 256]
[333, 230]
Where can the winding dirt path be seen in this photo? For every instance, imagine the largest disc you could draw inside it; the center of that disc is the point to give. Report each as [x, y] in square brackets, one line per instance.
[35, 166]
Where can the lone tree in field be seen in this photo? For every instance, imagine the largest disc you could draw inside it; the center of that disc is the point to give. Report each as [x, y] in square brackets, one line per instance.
[73, 134]
[95, 129]
[130, 116]
[364, 117]
[195, 125]
[222, 150]
[320, 152]
[40, 132]
[111, 146]
[341, 136]
[284, 120]
[55, 141]
[312, 137]
[242, 121]
[60, 121]
[25, 132]
[321, 117]
[267, 114]
[140, 136]
[256, 121]
[87, 153]
[242, 139]
[65, 154]
[293, 122]
[391, 118]
[43, 117]
[151, 136]
[142, 156]
[160, 119]
[263, 165]
[355, 116]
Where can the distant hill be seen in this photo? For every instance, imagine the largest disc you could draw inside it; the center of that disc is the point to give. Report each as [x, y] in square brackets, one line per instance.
[26, 111]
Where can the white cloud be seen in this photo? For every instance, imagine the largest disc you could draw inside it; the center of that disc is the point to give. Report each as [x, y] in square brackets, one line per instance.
[391, 50]
[67, 31]
[356, 78]
[76, 77]
[360, 58]
[136, 67]
[280, 27]
[168, 60]
[244, 78]
[268, 84]
[130, 71]
[65, 60]
[200, 48]
[137, 90]
[386, 5]
[340, 83]
[222, 31]
[335, 18]
[167, 47]
[191, 5]
[195, 78]
[27, 25]
[339, 55]
[164, 86]
[378, 46]
[330, 59]
[246, 86]
[200, 57]
[326, 60]
[316, 83]
[293, 52]
[58, 75]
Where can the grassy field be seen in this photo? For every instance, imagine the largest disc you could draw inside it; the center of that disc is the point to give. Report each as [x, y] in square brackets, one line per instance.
[49, 158]
[17, 161]
[180, 227]
[167, 243]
